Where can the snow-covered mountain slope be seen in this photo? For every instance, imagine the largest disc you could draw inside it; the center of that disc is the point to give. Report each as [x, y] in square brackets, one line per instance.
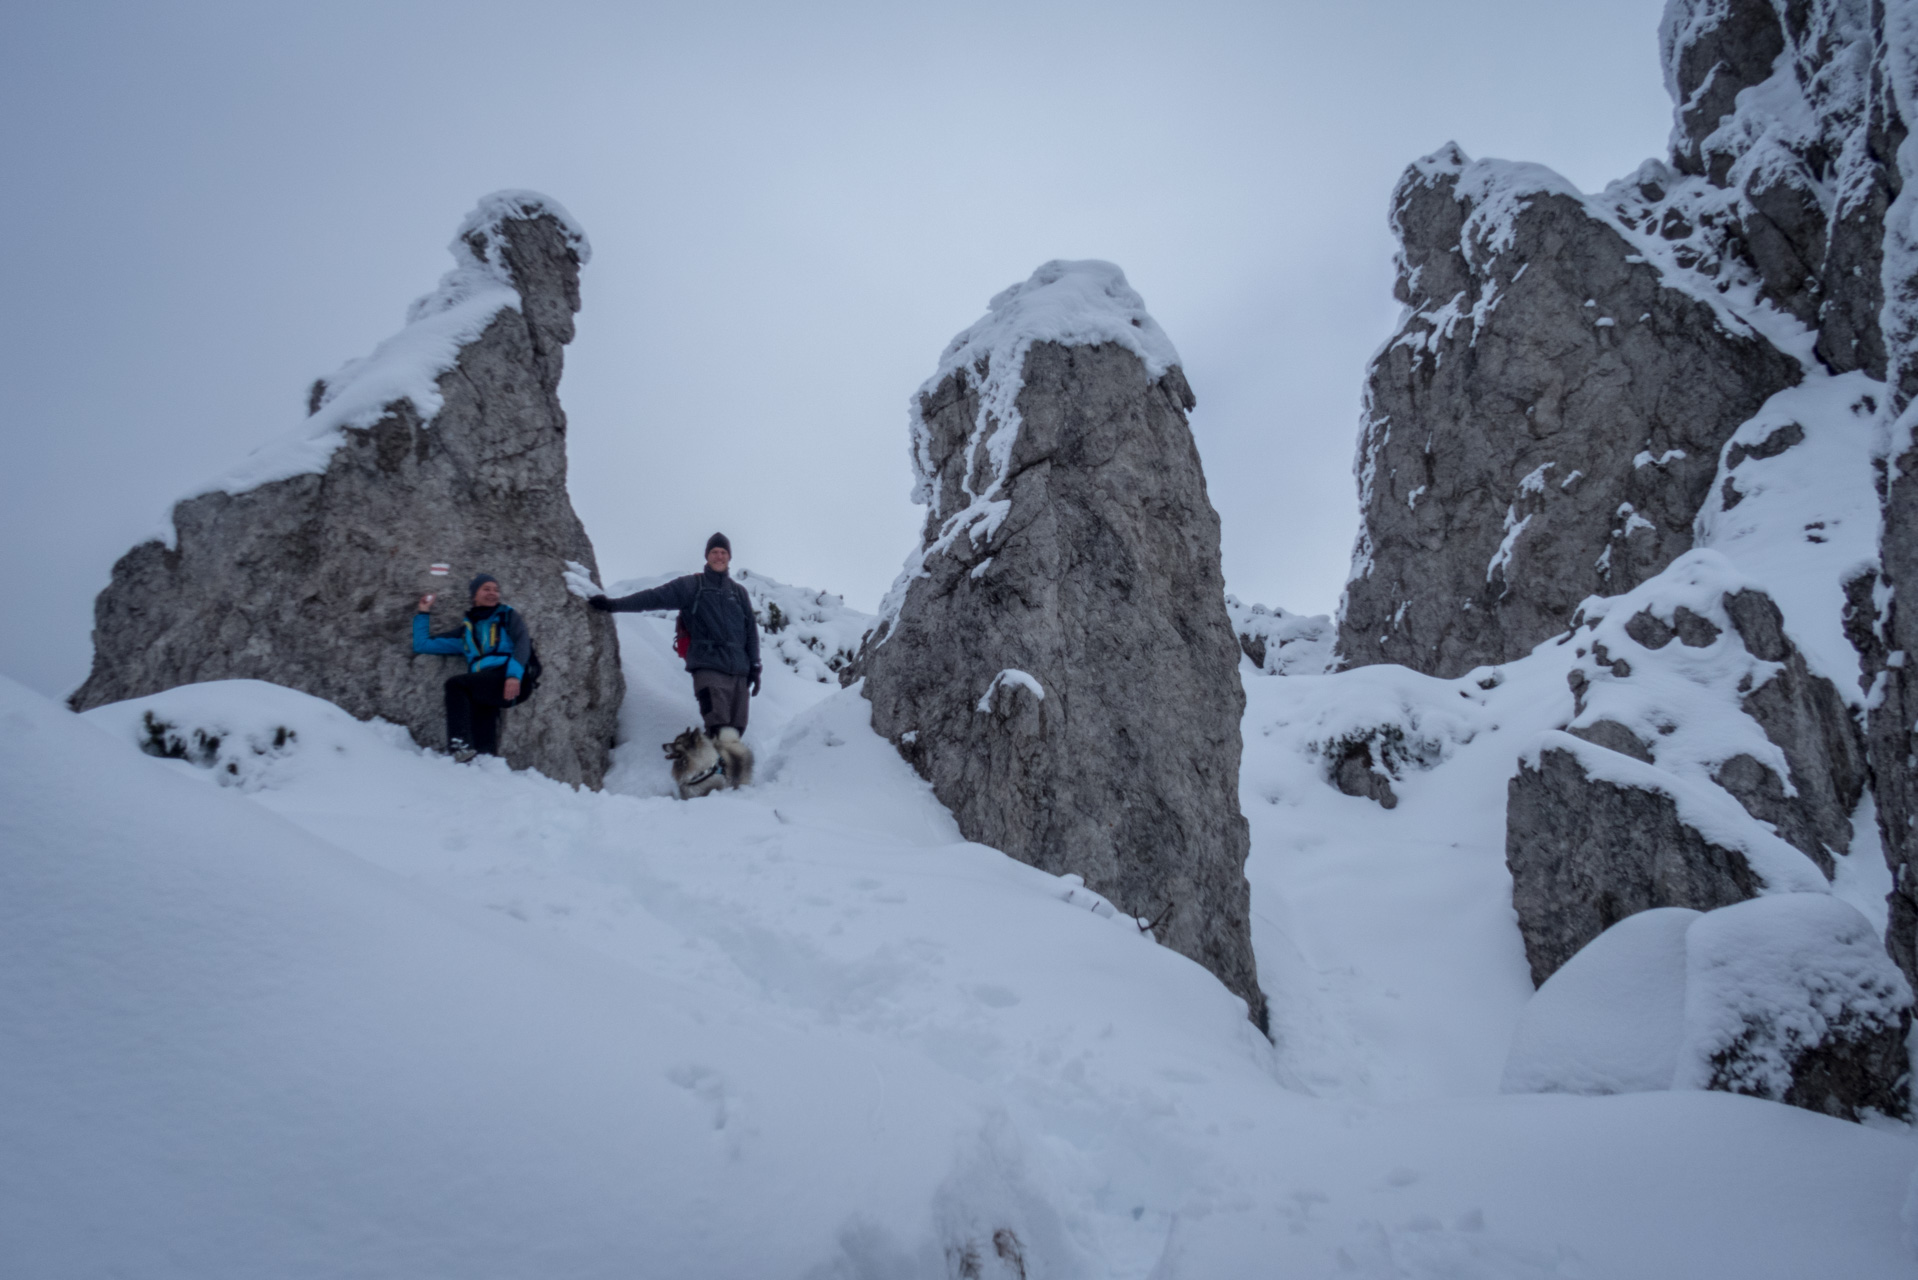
[308, 1001]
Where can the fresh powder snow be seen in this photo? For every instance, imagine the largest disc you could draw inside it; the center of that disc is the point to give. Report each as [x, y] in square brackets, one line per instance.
[289, 995]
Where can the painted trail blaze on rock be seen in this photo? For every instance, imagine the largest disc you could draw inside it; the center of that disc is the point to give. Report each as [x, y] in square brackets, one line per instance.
[440, 455]
[1057, 658]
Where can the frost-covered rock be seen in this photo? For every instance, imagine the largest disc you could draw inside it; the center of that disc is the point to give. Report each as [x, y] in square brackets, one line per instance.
[1694, 672]
[1703, 764]
[1544, 426]
[1783, 126]
[1789, 997]
[1057, 658]
[446, 447]
[1282, 643]
[1893, 722]
[1719, 350]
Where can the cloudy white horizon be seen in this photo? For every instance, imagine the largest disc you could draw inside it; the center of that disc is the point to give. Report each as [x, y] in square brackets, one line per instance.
[793, 208]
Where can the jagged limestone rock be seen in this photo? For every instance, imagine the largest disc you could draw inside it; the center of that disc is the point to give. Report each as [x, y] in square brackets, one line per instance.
[447, 446]
[1057, 659]
[1805, 170]
[1544, 427]
[1805, 716]
[1693, 675]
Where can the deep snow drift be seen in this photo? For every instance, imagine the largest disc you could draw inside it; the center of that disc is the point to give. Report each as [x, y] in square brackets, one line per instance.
[312, 1002]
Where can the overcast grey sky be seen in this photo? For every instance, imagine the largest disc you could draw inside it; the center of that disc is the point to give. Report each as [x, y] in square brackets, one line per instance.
[793, 207]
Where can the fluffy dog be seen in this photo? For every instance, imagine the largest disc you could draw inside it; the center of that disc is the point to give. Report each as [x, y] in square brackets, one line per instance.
[703, 764]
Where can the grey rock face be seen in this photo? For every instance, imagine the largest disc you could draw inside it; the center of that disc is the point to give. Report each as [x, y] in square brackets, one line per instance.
[1100, 584]
[310, 581]
[1858, 1069]
[1544, 427]
[1805, 191]
[1556, 411]
[1892, 720]
[1805, 716]
[1585, 853]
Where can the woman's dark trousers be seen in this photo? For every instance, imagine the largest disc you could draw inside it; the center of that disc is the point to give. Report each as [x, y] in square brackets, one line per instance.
[473, 704]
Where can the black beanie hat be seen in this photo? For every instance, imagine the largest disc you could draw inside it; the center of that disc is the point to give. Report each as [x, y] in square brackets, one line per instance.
[480, 580]
[719, 540]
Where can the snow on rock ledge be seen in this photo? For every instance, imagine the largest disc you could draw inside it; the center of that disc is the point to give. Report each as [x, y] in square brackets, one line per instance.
[408, 365]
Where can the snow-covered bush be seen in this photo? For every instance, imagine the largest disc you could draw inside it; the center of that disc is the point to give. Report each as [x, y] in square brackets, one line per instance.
[813, 632]
[1788, 996]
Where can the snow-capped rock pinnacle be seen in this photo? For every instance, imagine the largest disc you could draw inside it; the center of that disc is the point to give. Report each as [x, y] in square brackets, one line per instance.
[1057, 658]
[441, 454]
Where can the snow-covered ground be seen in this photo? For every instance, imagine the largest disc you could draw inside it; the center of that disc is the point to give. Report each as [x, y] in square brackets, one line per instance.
[313, 1002]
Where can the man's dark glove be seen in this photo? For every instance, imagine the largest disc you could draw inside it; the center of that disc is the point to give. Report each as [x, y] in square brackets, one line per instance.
[755, 678]
[600, 603]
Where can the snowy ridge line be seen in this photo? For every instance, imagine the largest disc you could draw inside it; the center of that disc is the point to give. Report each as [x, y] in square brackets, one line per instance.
[408, 365]
[1711, 812]
[1073, 303]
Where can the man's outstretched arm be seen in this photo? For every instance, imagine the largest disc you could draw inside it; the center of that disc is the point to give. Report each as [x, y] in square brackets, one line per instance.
[676, 594]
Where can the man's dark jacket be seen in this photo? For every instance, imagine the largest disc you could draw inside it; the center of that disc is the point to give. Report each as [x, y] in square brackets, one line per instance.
[719, 617]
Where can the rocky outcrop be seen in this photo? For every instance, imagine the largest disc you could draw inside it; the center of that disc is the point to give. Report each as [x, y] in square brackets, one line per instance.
[1586, 852]
[1887, 625]
[1057, 659]
[1804, 716]
[1590, 392]
[1796, 185]
[1544, 426]
[446, 447]
[1704, 742]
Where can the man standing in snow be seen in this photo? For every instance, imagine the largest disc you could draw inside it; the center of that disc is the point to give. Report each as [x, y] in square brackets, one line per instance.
[495, 643]
[722, 637]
